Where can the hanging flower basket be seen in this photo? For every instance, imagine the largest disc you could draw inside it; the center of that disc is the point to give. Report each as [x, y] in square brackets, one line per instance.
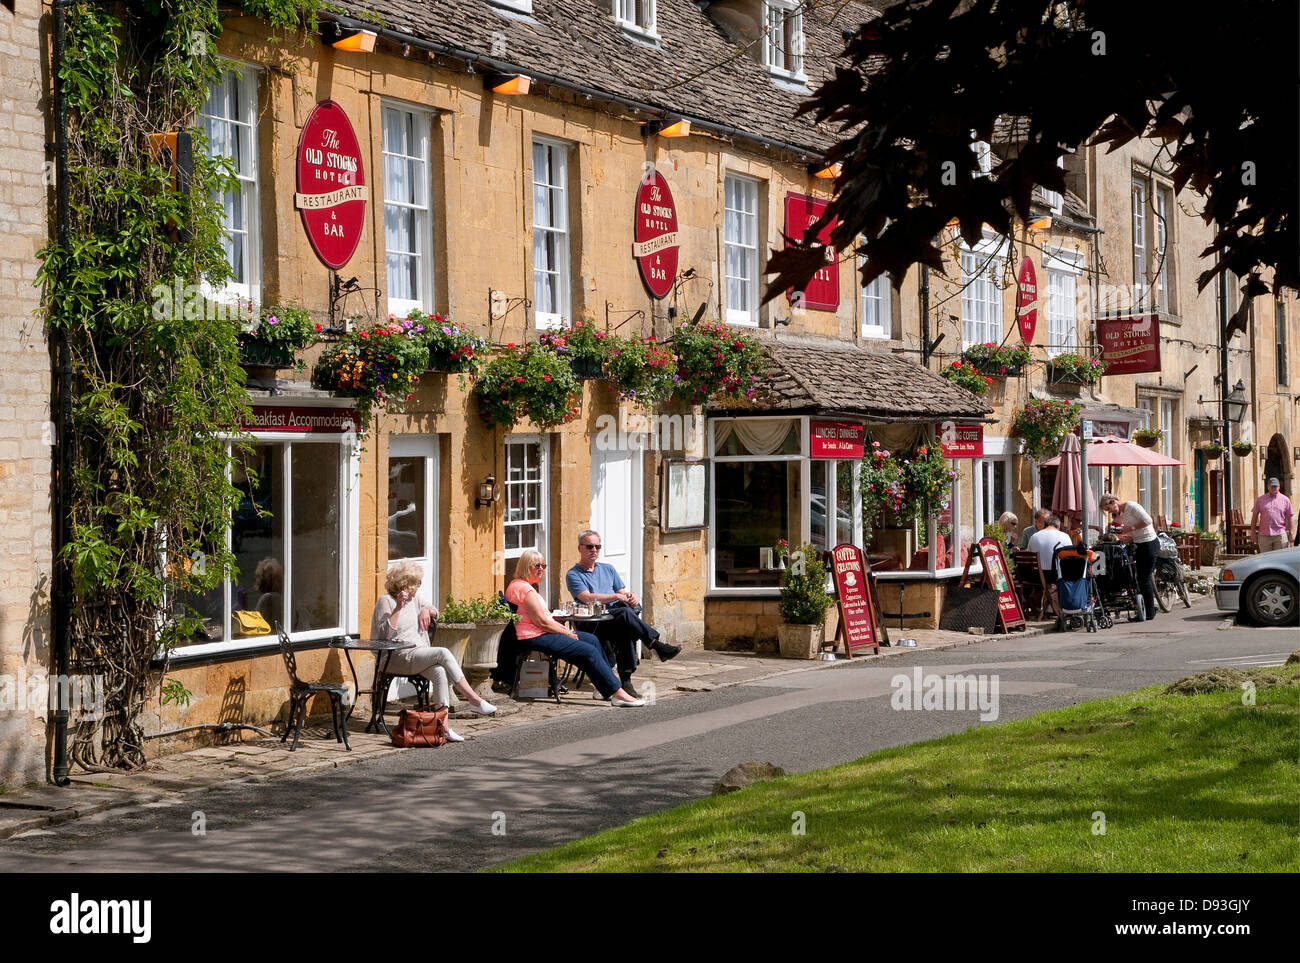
[1212, 452]
[270, 340]
[997, 361]
[587, 369]
[451, 349]
[967, 375]
[1073, 369]
[585, 347]
[379, 366]
[1044, 424]
[1148, 437]
[528, 381]
[1242, 448]
[715, 362]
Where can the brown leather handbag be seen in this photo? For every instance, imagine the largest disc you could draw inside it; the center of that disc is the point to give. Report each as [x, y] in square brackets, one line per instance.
[427, 729]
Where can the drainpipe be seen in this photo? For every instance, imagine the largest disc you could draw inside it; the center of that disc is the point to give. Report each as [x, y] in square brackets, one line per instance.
[1223, 401]
[61, 598]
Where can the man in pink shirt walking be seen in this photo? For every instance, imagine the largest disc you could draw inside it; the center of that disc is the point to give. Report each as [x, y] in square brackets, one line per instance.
[1270, 519]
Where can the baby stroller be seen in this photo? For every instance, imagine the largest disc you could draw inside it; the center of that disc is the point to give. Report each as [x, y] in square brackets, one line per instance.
[1076, 591]
[1118, 588]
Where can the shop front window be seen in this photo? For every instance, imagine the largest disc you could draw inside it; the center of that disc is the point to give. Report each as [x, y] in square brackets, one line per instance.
[831, 501]
[757, 499]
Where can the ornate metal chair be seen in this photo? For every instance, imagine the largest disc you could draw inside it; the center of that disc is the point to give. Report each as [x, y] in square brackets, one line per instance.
[300, 692]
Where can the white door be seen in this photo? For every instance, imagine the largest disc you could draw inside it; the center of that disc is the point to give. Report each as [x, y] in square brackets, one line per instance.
[616, 511]
[413, 506]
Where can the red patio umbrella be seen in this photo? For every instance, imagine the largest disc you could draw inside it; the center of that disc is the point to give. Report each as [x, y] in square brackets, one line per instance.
[1072, 489]
[1110, 452]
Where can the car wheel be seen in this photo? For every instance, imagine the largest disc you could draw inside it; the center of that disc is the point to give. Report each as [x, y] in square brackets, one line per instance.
[1272, 600]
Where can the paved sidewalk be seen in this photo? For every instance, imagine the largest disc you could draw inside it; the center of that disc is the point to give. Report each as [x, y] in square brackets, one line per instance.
[251, 758]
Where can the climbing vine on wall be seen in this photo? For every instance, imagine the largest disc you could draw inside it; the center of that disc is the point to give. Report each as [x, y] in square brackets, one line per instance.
[155, 391]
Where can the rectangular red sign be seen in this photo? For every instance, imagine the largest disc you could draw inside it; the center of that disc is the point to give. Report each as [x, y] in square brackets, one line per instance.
[314, 421]
[822, 293]
[833, 439]
[997, 576]
[857, 613]
[961, 441]
[1130, 345]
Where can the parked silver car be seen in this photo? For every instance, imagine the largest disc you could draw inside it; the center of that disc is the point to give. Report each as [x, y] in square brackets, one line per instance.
[1268, 585]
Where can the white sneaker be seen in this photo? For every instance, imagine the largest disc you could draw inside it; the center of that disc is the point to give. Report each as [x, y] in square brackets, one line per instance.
[484, 708]
[634, 704]
[454, 736]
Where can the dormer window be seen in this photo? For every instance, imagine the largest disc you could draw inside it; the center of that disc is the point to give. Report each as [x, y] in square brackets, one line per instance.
[783, 38]
[637, 16]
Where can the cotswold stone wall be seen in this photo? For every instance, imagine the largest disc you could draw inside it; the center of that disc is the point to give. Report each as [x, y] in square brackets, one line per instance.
[24, 401]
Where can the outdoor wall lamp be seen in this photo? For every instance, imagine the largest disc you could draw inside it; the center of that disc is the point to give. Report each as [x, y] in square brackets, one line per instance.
[510, 85]
[487, 493]
[344, 38]
[670, 126]
[825, 171]
[1237, 403]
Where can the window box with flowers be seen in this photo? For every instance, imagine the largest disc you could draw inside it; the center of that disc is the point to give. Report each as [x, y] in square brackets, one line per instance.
[528, 381]
[1043, 425]
[714, 361]
[275, 335]
[586, 348]
[997, 361]
[1148, 437]
[1073, 369]
[379, 366]
[968, 376]
[1242, 448]
[1212, 451]
[452, 350]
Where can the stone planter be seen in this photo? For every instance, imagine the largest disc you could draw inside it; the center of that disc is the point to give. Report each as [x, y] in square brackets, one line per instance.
[482, 651]
[800, 641]
[454, 636]
[1210, 551]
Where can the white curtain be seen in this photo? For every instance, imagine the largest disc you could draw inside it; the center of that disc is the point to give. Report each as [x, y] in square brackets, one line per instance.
[758, 436]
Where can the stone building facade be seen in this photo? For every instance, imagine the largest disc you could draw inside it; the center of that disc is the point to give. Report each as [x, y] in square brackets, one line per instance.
[24, 399]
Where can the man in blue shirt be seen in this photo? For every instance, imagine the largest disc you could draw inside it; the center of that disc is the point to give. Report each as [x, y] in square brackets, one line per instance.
[592, 581]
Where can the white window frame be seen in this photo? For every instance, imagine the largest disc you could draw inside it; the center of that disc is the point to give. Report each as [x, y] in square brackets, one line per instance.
[1055, 200]
[1064, 269]
[1141, 261]
[543, 507]
[980, 293]
[997, 464]
[877, 302]
[783, 62]
[419, 124]
[1161, 221]
[557, 154]
[1144, 474]
[519, 6]
[637, 17]
[248, 80]
[983, 151]
[349, 527]
[749, 253]
[1167, 493]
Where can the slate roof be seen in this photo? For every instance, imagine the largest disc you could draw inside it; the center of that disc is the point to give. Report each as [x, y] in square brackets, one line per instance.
[829, 377]
[695, 70]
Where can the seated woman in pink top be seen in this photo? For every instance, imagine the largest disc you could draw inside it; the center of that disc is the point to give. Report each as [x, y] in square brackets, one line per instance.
[539, 631]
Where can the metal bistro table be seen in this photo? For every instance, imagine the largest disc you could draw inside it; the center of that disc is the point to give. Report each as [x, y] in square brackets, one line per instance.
[580, 621]
[378, 701]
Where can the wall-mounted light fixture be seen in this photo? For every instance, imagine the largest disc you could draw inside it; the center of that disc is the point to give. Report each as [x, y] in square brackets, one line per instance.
[509, 85]
[825, 171]
[670, 126]
[1237, 403]
[346, 38]
[487, 493]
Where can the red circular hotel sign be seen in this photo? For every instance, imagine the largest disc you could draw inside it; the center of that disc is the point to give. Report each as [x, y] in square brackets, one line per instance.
[1026, 313]
[655, 237]
[332, 188]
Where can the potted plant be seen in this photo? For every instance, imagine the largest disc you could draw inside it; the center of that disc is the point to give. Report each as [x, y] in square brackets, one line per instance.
[452, 350]
[967, 376]
[803, 605]
[1148, 437]
[530, 381]
[713, 359]
[271, 335]
[1069, 368]
[1210, 542]
[642, 370]
[585, 347]
[997, 361]
[1044, 424]
[379, 366]
[491, 616]
[1242, 448]
[1212, 451]
[455, 627]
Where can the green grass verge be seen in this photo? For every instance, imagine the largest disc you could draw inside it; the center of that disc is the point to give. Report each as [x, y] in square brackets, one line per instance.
[1186, 783]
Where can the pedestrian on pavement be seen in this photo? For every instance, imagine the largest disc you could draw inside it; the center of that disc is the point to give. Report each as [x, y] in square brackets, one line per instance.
[1270, 519]
[1040, 522]
[592, 581]
[1135, 527]
[403, 615]
[538, 630]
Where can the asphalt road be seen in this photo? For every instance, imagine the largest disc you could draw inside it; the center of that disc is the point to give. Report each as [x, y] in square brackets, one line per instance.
[501, 796]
